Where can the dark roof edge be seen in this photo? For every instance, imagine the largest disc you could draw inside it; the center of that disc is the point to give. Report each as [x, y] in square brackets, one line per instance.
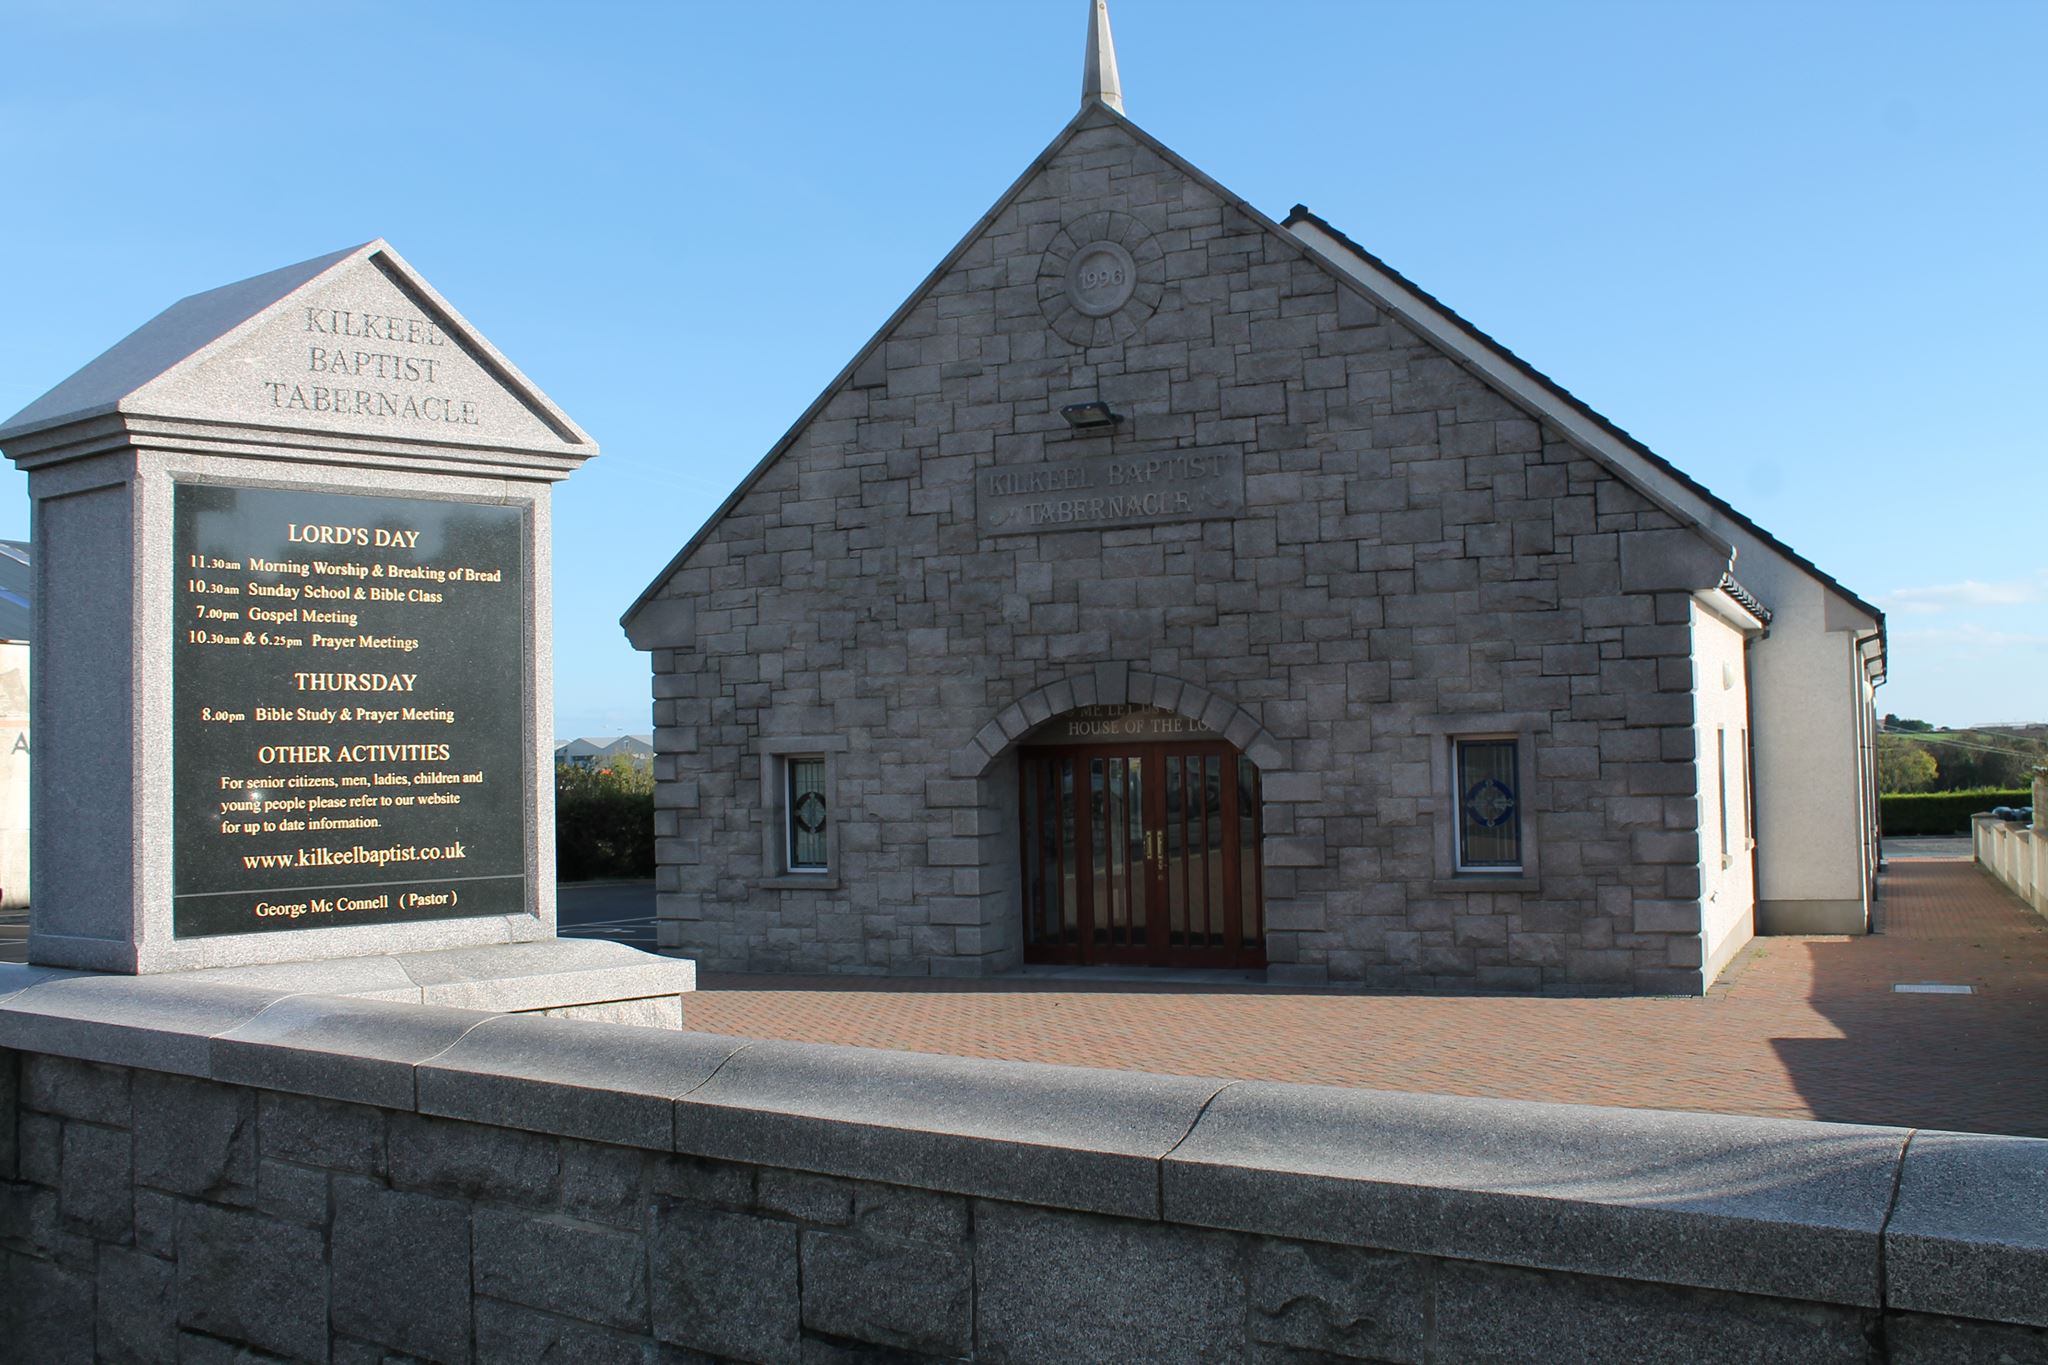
[1301, 213]
[1746, 598]
[917, 296]
[1280, 233]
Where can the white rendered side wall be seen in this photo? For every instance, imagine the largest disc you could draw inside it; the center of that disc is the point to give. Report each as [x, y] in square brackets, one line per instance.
[1865, 693]
[1813, 733]
[1810, 714]
[1811, 718]
[1721, 715]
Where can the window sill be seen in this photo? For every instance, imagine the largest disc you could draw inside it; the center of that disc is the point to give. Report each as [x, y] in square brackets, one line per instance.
[1484, 881]
[800, 881]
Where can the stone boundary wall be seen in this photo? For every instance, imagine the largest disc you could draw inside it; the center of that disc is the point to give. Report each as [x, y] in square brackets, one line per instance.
[199, 1172]
[2016, 854]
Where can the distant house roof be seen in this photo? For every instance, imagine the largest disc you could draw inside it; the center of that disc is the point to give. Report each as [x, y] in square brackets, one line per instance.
[17, 591]
[605, 746]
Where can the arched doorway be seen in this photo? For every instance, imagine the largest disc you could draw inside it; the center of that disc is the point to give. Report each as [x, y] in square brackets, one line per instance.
[1139, 842]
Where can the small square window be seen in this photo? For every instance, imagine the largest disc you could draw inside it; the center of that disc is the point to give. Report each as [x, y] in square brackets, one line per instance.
[1489, 806]
[807, 811]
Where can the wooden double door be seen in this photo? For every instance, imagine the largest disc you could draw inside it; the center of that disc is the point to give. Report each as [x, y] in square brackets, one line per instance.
[1145, 854]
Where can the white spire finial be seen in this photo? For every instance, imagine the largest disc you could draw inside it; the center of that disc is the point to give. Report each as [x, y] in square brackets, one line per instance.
[1098, 75]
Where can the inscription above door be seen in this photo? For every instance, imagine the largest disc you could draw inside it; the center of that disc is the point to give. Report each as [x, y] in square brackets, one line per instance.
[1083, 494]
[1111, 722]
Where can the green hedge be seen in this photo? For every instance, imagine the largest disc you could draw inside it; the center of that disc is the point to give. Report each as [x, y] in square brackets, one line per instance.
[604, 824]
[1943, 812]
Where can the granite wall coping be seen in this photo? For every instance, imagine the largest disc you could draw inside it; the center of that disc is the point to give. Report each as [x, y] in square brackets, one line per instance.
[1771, 1206]
[1948, 1223]
[1968, 1235]
[1069, 1137]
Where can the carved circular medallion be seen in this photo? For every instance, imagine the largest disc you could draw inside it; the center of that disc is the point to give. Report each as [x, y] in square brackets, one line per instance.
[1101, 277]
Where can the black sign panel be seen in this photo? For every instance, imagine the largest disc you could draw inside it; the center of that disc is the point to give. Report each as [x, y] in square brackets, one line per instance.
[349, 732]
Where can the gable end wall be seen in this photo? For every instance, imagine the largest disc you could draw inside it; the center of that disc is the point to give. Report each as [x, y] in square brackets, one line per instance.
[1416, 557]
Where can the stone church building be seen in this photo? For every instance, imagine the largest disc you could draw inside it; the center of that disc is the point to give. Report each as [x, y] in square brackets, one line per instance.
[1168, 585]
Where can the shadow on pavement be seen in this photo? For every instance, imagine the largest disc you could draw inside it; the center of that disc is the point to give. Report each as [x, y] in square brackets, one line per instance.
[1972, 1063]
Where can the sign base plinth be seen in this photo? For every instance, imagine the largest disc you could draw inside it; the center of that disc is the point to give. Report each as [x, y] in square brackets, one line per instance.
[575, 978]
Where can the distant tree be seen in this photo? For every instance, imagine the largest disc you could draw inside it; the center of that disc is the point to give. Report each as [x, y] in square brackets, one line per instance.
[1900, 724]
[1904, 765]
[631, 773]
[604, 820]
[623, 774]
[1969, 759]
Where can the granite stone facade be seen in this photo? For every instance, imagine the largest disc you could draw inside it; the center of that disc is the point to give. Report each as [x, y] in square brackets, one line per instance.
[1413, 557]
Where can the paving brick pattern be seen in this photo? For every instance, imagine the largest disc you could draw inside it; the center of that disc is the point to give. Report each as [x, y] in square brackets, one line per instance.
[1800, 1027]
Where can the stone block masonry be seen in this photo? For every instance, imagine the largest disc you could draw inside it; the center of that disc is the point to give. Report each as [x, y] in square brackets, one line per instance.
[1393, 554]
[537, 1189]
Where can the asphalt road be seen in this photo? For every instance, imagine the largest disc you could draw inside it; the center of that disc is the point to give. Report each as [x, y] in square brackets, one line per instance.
[1930, 846]
[620, 911]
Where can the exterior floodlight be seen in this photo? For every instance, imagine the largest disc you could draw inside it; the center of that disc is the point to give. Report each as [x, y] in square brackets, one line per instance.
[1085, 416]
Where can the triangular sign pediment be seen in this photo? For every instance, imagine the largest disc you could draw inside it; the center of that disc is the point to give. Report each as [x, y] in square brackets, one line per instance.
[351, 344]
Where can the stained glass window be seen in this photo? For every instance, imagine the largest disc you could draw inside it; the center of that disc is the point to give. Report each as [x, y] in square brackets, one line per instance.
[1489, 805]
[807, 814]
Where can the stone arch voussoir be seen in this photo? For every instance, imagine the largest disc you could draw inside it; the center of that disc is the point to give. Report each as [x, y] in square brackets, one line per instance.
[1117, 684]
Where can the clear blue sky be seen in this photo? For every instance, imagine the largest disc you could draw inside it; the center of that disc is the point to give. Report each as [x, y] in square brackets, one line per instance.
[1800, 249]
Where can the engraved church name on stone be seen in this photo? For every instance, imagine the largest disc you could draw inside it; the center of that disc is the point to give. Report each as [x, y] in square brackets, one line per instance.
[1071, 494]
[1108, 722]
[344, 354]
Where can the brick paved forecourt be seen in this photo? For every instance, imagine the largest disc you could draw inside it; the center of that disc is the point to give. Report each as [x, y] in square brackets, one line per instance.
[1798, 1028]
